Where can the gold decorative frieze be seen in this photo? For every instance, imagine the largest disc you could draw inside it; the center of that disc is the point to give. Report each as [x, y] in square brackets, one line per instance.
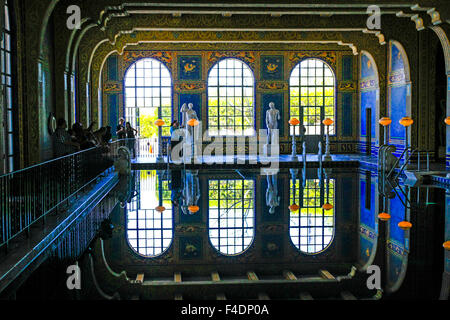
[248, 57]
[190, 86]
[130, 57]
[328, 56]
[272, 86]
[347, 86]
[112, 87]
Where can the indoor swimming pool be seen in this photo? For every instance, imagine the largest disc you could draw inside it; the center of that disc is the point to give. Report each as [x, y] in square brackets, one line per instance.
[310, 224]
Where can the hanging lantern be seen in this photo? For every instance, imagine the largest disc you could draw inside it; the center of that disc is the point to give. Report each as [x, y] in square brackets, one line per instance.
[327, 206]
[384, 216]
[447, 121]
[294, 207]
[159, 123]
[406, 121]
[405, 225]
[160, 209]
[328, 122]
[193, 123]
[294, 122]
[446, 245]
[385, 121]
[193, 209]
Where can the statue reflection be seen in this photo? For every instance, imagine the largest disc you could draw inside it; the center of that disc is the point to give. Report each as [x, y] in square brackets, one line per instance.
[191, 191]
[272, 198]
[126, 187]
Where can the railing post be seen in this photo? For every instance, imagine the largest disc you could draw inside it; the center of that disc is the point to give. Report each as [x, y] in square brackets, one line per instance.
[418, 160]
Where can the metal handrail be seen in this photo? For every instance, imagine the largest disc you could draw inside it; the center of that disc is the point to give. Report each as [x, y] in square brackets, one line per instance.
[30, 194]
[406, 161]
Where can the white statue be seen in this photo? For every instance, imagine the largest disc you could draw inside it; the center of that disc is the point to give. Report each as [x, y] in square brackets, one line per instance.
[189, 114]
[184, 110]
[272, 118]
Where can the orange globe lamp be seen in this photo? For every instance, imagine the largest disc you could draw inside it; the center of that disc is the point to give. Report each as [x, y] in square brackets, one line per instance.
[385, 121]
[446, 245]
[193, 123]
[328, 122]
[327, 206]
[405, 225]
[159, 123]
[160, 209]
[447, 121]
[194, 209]
[406, 122]
[384, 216]
[294, 207]
[294, 122]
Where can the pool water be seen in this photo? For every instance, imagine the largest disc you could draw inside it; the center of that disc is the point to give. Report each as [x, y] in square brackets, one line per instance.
[304, 221]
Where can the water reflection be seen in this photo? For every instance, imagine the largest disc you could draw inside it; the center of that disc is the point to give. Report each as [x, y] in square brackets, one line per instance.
[247, 218]
[272, 198]
[231, 215]
[150, 233]
[312, 226]
[191, 191]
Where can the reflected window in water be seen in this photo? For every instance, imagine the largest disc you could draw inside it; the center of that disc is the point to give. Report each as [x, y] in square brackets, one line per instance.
[231, 215]
[150, 233]
[312, 228]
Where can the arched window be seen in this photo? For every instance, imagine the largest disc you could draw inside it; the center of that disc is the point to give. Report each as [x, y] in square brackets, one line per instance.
[231, 99]
[6, 69]
[148, 94]
[149, 232]
[312, 95]
[311, 228]
[231, 215]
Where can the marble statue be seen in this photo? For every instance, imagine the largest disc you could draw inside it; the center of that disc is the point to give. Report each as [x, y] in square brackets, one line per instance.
[272, 118]
[184, 110]
[188, 113]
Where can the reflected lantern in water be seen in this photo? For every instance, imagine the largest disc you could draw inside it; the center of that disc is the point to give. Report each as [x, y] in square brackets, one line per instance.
[384, 216]
[193, 209]
[405, 225]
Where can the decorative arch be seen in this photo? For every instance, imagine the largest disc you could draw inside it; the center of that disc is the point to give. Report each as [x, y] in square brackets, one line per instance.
[48, 12]
[369, 104]
[399, 94]
[446, 48]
